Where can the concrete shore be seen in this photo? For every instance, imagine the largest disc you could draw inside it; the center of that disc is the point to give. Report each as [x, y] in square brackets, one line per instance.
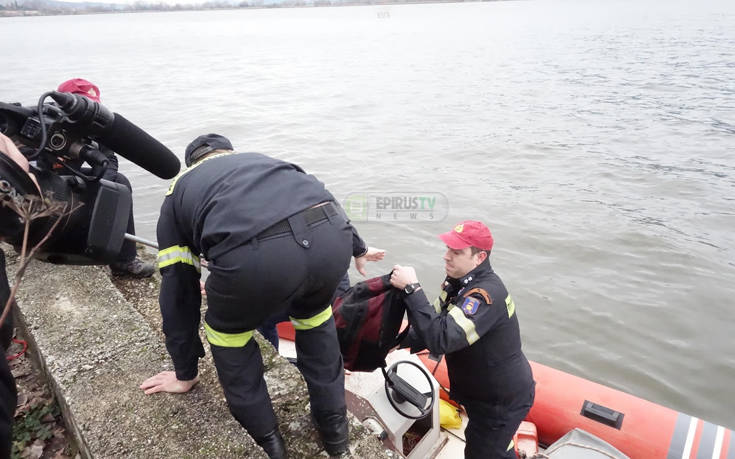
[97, 340]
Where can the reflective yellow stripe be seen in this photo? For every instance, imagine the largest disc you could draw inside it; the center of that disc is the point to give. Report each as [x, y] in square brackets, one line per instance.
[467, 325]
[185, 171]
[437, 305]
[510, 445]
[438, 302]
[177, 254]
[510, 305]
[312, 322]
[227, 339]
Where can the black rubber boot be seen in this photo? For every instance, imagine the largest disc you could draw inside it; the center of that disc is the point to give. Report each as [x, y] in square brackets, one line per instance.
[334, 430]
[273, 444]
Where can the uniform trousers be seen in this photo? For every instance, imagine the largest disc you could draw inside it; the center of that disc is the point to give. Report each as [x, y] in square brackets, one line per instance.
[491, 426]
[282, 273]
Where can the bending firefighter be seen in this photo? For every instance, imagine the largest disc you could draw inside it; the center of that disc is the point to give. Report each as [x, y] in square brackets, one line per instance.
[276, 242]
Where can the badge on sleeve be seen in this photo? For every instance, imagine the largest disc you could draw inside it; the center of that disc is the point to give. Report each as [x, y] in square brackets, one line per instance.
[470, 305]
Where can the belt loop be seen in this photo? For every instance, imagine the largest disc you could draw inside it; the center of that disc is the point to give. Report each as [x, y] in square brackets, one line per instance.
[299, 229]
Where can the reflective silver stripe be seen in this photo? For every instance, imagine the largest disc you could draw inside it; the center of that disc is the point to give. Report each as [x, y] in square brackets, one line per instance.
[690, 438]
[467, 325]
[719, 438]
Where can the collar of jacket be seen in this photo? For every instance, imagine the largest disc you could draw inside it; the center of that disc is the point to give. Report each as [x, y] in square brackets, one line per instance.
[480, 270]
[194, 166]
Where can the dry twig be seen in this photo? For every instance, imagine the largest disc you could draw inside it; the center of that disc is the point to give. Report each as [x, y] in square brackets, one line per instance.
[30, 208]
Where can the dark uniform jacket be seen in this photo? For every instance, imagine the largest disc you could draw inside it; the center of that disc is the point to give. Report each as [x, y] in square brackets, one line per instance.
[474, 323]
[214, 206]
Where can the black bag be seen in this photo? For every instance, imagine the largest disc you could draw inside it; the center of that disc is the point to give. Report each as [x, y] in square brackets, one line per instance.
[368, 317]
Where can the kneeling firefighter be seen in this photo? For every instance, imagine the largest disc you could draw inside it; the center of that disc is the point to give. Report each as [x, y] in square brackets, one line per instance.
[276, 242]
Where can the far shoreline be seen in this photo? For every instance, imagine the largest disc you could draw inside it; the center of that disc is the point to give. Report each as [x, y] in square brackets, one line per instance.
[5, 13]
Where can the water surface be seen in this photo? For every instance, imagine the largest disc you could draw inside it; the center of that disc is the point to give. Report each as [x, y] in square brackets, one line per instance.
[597, 139]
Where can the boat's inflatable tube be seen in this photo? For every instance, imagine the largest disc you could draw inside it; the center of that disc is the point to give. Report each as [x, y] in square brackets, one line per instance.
[637, 427]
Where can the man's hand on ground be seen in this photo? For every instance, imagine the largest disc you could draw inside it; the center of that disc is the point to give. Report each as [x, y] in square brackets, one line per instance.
[372, 254]
[166, 381]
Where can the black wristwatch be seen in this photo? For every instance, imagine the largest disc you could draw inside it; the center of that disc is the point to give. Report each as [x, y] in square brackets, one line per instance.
[410, 288]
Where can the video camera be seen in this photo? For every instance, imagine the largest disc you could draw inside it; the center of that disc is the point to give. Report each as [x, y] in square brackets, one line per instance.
[56, 137]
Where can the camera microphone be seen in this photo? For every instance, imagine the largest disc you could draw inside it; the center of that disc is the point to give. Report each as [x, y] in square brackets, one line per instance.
[119, 134]
[139, 147]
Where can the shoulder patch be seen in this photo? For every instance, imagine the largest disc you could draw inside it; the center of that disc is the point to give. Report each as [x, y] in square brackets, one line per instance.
[482, 292]
[470, 305]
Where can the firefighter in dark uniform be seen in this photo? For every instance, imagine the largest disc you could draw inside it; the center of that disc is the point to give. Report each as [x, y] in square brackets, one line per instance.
[276, 241]
[474, 323]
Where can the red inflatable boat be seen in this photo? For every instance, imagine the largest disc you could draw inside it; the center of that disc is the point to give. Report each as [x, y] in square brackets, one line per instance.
[636, 427]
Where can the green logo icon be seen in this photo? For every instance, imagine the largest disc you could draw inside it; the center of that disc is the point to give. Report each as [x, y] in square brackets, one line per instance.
[356, 207]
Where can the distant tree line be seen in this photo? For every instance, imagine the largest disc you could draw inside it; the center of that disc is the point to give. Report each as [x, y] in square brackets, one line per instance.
[43, 7]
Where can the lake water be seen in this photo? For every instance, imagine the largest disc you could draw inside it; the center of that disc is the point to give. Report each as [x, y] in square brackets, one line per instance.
[597, 140]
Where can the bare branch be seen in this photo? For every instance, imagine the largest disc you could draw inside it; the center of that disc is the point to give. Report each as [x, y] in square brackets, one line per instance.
[30, 208]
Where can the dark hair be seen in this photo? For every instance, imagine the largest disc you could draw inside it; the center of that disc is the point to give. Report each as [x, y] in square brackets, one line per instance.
[475, 250]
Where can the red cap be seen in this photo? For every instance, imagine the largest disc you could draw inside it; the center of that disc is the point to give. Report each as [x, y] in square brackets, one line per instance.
[81, 86]
[468, 233]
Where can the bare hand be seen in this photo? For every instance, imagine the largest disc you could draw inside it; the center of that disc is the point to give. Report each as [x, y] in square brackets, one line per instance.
[372, 254]
[10, 150]
[8, 147]
[402, 276]
[166, 381]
